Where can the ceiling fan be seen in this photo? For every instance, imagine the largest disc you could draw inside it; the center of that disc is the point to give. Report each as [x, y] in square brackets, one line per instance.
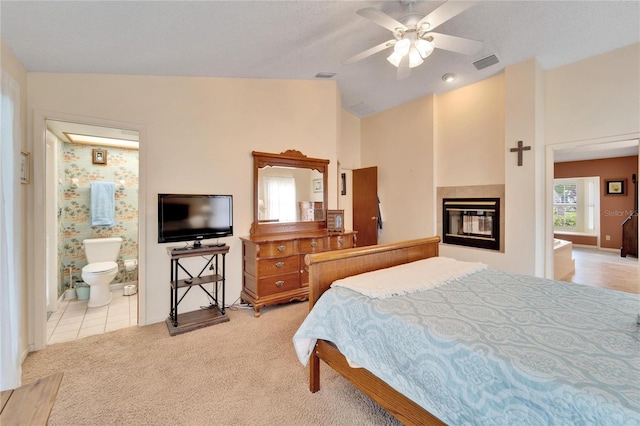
[413, 37]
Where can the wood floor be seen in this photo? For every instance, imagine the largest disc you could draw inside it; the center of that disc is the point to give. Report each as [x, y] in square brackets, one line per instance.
[606, 269]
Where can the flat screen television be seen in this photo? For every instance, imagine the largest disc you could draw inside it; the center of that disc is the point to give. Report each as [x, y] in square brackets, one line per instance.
[193, 217]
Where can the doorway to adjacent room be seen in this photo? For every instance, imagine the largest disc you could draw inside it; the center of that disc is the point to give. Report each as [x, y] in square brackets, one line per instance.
[596, 261]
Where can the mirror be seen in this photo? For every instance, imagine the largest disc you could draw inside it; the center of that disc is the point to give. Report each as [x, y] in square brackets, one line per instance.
[290, 192]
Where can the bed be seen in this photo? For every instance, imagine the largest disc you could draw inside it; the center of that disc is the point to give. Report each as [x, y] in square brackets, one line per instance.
[567, 354]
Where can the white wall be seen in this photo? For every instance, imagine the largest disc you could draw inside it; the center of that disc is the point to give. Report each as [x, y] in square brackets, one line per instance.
[400, 143]
[595, 98]
[198, 137]
[200, 134]
[524, 185]
[470, 134]
[470, 147]
[349, 159]
[10, 64]
[476, 126]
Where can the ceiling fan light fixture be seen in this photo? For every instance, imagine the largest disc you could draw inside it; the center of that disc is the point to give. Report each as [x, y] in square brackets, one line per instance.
[395, 59]
[402, 46]
[414, 58]
[412, 42]
[424, 47]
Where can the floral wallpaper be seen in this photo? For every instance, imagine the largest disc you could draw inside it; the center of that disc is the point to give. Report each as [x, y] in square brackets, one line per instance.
[122, 169]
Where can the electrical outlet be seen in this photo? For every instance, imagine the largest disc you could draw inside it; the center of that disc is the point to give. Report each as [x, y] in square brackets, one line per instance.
[607, 237]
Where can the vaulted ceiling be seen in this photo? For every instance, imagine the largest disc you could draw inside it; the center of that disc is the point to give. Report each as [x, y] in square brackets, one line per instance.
[299, 39]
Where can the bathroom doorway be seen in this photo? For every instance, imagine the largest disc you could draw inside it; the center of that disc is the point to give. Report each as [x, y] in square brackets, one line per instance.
[76, 155]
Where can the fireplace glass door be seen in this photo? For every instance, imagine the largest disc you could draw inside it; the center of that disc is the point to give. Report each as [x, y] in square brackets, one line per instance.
[472, 222]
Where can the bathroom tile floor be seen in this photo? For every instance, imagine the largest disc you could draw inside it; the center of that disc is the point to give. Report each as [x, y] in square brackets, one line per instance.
[74, 320]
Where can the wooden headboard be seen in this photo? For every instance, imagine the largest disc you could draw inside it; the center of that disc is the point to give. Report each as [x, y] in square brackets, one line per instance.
[325, 268]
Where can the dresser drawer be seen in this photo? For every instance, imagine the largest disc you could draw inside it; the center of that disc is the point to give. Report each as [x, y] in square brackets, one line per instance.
[278, 266]
[278, 249]
[274, 268]
[338, 242]
[278, 284]
[312, 245]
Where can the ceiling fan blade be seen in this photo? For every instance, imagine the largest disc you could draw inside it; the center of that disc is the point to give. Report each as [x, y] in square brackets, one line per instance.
[445, 12]
[371, 51]
[403, 69]
[465, 46]
[381, 19]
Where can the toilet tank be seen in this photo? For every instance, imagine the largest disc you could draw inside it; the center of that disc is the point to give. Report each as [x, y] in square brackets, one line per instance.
[102, 249]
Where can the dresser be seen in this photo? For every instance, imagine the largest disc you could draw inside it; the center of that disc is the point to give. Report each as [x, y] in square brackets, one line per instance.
[273, 265]
[290, 205]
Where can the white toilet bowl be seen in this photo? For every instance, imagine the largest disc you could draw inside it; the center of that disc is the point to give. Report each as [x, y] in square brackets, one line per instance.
[99, 276]
[101, 254]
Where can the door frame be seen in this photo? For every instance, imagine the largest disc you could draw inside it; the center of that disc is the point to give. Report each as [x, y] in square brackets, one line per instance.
[549, 176]
[36, 234]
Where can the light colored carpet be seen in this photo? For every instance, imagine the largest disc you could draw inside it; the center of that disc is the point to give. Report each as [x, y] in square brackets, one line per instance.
[242, 372]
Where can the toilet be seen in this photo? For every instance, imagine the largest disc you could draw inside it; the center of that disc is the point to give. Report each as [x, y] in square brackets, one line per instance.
[101, 254]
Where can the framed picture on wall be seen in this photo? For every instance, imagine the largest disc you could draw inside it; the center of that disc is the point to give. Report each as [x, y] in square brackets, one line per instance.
[616, 186]
[317, 185]
[99, 156]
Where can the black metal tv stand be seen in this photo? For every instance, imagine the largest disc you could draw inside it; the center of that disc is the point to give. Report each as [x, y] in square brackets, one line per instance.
[215, 312]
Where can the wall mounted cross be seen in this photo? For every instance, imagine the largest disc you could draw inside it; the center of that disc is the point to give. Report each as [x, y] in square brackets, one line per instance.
[519, 150]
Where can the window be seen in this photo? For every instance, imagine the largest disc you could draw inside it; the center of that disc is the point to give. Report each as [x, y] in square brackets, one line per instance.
[281, 193]
[565, 205]
[574, 205]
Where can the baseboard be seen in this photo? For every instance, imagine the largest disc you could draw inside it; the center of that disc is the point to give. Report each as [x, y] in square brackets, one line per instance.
[25, 352]
[612, 250]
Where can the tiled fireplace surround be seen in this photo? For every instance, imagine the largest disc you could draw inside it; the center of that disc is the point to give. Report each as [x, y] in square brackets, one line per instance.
[477, 191]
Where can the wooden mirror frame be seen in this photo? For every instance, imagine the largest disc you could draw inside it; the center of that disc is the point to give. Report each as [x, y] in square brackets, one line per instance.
[289, 158]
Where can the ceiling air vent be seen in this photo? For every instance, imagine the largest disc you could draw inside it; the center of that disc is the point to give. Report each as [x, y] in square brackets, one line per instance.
[486, 62]
[325, 75]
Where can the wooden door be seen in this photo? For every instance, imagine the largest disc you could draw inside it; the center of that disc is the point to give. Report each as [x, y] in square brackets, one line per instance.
[365, 205]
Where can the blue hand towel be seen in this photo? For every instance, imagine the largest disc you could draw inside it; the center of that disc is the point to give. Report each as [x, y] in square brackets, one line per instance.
[103, 203]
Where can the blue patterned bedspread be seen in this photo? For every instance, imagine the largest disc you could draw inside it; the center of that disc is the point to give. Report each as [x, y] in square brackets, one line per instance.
[494, 348]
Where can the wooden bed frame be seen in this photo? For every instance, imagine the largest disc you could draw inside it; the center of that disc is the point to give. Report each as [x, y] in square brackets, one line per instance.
[324, 268]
